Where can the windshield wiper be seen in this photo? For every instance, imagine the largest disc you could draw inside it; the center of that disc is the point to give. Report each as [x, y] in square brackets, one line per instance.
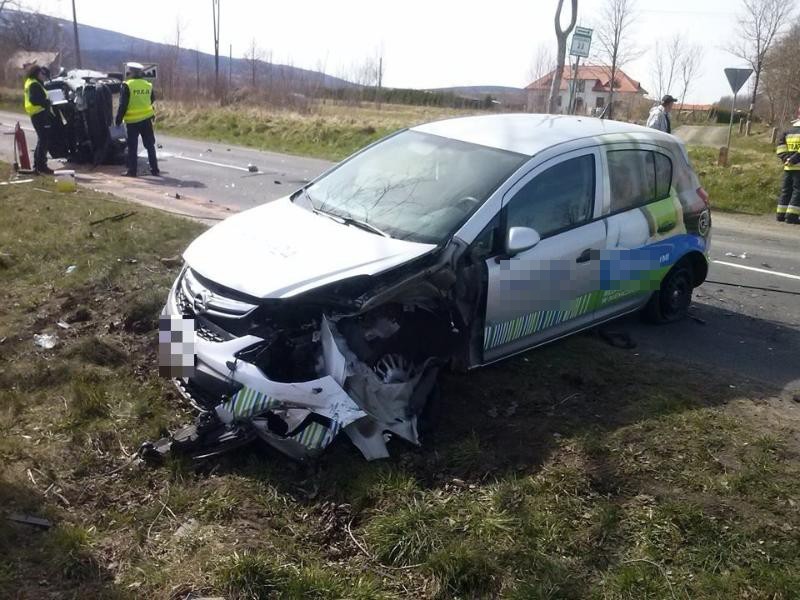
[343, 220]
[364, 225]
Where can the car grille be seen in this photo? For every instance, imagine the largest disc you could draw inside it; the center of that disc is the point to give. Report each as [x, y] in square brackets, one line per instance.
[214, 313]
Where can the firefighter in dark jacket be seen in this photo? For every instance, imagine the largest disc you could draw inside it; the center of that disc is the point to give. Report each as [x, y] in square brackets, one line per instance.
[37, 105]
[788, 150]
[136, 110]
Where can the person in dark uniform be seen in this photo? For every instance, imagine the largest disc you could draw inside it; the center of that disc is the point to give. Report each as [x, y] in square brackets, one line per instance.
[37, 105]
[136, 110]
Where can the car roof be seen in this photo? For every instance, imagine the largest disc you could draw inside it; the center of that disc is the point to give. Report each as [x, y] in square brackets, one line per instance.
[531, 133]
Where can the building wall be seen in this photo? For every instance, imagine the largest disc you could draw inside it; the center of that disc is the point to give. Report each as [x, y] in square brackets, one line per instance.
[537, 100]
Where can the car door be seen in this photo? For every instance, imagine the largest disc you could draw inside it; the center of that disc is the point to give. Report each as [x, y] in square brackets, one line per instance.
[546, 291]
[644, 223]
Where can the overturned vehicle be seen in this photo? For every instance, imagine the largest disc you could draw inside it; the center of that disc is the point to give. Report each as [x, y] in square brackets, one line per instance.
[83, 111]
[453, 244]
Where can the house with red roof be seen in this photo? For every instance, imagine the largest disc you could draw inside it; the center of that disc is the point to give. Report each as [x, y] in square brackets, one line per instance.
[592, 90]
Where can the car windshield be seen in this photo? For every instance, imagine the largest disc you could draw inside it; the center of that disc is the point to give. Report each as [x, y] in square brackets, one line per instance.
[414, 186]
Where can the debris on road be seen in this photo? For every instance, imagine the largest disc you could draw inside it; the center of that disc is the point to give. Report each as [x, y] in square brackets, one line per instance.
[252, 168]
[47, 341]
[71, 269]
[64, 325]
[30, 520]
[114, 218]
[172, 261]
[617, 339]
[733, 255]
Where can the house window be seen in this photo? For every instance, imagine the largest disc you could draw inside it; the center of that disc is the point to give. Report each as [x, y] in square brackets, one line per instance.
[580, 86]
[600, 102]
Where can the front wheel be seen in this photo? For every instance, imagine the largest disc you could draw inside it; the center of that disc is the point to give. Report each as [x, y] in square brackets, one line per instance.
[671, 302]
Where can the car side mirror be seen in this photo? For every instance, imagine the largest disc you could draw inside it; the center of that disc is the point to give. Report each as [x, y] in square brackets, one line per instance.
[520, 239]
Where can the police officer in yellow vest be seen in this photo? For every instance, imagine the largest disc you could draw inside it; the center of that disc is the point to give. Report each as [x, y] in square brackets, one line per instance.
[136, 110]
[788, 151]
[37, 105]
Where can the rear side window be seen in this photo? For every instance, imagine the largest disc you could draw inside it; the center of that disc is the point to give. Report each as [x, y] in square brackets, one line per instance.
[638, 177]
[557, 199]
[663, 175]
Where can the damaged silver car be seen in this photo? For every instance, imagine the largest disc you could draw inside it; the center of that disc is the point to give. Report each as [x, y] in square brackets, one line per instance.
[449, 245]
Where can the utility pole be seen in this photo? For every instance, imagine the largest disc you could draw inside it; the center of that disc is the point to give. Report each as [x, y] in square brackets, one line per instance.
[215, 14]
[77, 41]
[230, 66]
[380, 81]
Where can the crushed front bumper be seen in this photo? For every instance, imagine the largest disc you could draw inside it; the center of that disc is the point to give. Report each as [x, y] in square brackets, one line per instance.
[235, 398]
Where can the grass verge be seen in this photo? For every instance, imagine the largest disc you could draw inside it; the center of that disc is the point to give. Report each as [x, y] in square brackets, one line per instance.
[575, 471]
[750, 183]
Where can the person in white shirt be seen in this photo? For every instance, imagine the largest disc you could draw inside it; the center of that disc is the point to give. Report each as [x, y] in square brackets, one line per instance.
[659, 115]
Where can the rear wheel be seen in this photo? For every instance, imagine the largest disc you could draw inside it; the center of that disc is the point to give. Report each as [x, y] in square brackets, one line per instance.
[671, 302]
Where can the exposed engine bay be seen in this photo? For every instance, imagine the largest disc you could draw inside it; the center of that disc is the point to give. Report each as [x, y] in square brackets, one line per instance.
[360, 356]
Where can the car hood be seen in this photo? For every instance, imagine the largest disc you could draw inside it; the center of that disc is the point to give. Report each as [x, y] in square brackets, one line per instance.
[279, 250]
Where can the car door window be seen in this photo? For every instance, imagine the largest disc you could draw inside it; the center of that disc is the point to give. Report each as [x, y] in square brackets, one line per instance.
[557, 199]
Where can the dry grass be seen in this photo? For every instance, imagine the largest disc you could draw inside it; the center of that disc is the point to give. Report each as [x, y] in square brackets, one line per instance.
[615, 476]
[750, 183]
[328, 131]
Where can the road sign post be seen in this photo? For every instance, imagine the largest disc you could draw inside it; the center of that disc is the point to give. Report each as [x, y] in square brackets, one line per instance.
[736, 78]
[579, 48]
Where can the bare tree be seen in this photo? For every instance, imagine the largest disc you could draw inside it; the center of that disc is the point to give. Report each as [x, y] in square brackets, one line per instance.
[667, 59]
[759, 22]
[561, 52]
[254, 56]
[613, 37]
[30, 31]
[690, 68]
[781, 77]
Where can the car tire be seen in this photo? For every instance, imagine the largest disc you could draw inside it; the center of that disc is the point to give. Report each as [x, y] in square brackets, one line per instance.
[671, 301]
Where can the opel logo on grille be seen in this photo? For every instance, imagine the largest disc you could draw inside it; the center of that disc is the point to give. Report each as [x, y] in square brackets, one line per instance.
[201, 302]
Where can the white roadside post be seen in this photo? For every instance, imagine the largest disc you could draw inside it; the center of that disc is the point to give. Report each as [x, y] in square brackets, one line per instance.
[579, 48]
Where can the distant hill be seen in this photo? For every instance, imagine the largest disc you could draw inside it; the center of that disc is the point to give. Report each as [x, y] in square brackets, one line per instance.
[105, 50]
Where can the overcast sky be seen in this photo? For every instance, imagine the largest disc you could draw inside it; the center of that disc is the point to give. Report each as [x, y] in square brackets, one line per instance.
[426, 43]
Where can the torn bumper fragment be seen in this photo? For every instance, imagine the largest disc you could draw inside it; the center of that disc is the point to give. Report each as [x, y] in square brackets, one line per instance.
[240, 383]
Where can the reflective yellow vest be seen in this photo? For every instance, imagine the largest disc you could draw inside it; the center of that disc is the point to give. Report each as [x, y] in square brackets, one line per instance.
[32, 109]
[140, 105]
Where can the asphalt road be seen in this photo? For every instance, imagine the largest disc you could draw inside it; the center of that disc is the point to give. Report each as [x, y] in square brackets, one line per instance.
[746, 317]
[209, 178]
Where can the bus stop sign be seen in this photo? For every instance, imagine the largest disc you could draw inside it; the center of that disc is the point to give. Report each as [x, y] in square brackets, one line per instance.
[737, 78]
[581, 42]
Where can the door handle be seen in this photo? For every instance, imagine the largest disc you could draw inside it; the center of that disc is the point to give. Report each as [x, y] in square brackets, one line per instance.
[585, 256]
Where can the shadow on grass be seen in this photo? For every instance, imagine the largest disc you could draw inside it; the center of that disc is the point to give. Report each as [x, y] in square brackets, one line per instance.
[506, 419]
[55, 562]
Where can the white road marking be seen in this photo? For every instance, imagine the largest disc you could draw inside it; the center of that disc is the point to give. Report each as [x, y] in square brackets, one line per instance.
[215, 164]
[757, 270]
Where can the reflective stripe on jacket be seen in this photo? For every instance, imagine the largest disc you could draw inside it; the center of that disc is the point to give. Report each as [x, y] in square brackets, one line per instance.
[788, 148]
[140, 101]
[30, 107]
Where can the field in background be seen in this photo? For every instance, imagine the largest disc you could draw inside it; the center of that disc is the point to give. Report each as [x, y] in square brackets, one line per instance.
[333, 131]
[575, 471]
